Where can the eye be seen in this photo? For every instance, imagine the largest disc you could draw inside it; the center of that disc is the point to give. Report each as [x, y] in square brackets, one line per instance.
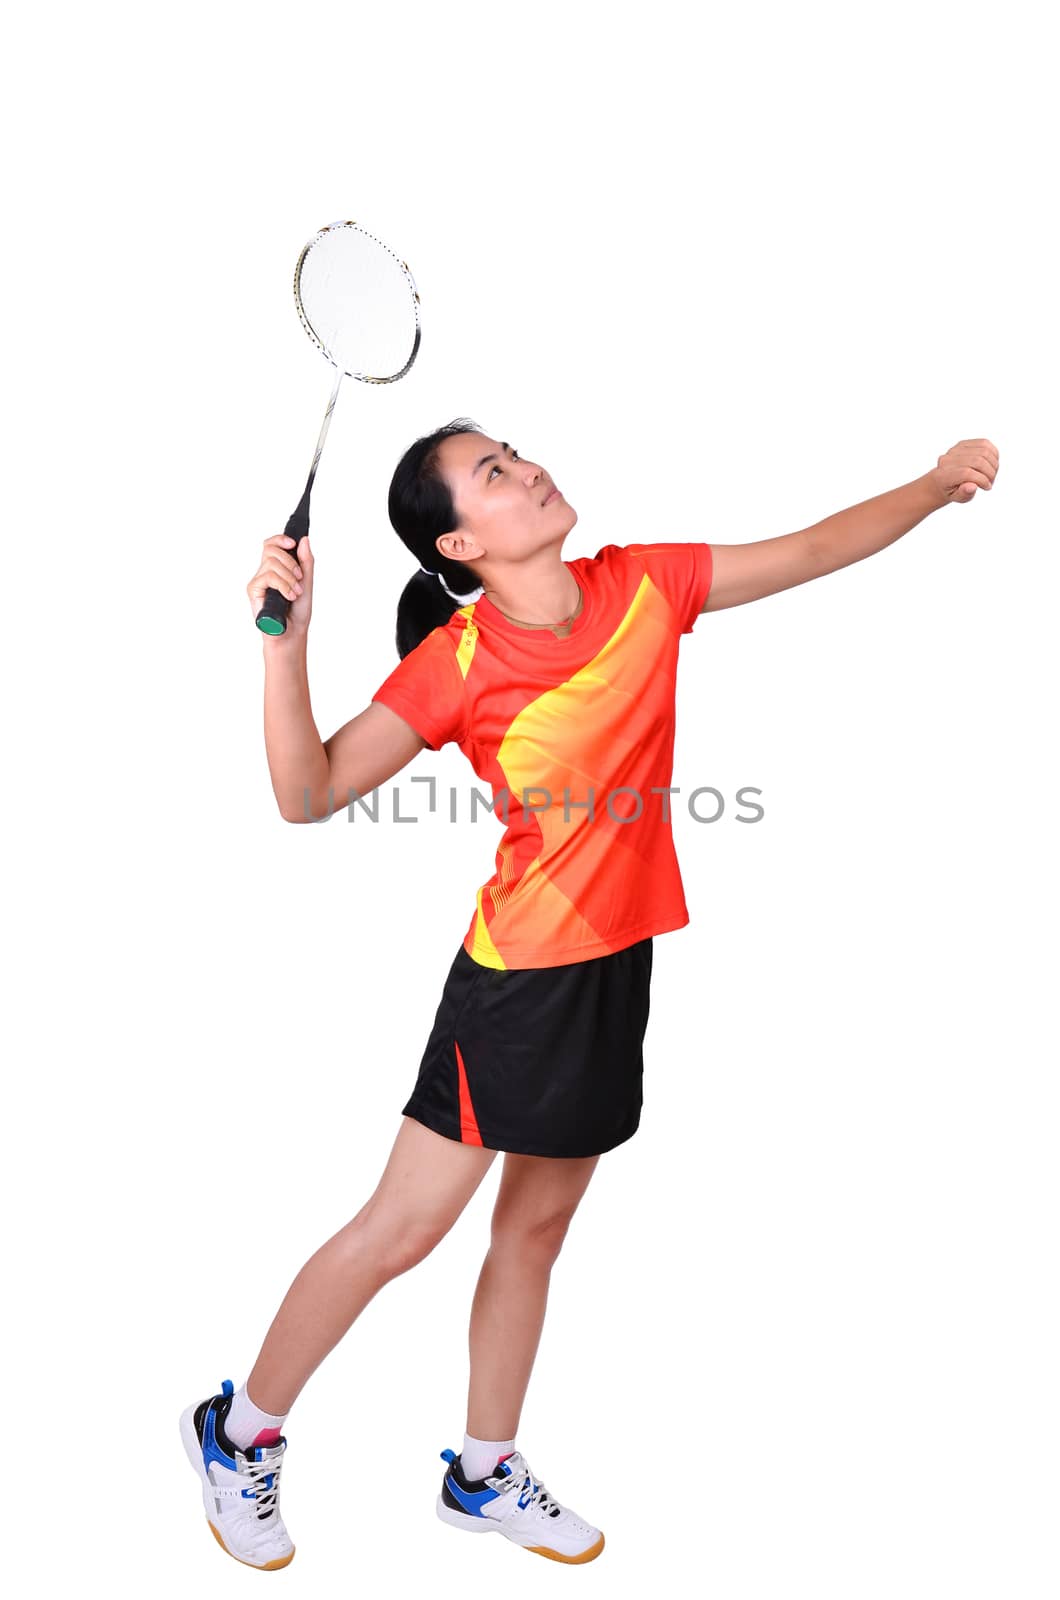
[492, 470]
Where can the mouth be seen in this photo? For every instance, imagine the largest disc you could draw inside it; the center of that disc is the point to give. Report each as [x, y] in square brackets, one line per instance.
[553, 492]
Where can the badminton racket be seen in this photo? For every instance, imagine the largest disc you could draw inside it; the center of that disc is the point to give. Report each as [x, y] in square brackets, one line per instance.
[359, 304]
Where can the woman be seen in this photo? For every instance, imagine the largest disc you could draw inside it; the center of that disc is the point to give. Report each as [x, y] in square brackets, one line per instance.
[557, 680]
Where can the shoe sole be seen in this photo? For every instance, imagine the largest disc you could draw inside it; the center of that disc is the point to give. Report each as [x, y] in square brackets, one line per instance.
[457, 1519]
[194, 1453]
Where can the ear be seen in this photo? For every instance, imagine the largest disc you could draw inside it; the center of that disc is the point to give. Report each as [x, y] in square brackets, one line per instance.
[458, 547]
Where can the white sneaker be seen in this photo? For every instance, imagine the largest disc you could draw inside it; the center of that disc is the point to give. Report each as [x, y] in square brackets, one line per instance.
[510, 1500]
[240, 1488]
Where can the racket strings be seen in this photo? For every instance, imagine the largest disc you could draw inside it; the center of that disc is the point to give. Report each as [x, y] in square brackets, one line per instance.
[358, 302]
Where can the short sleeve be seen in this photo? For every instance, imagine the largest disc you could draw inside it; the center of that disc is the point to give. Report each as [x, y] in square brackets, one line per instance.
[681, 572]
[426, 688]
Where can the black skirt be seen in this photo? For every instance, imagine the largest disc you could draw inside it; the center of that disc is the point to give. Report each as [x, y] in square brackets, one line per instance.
[540, 1061]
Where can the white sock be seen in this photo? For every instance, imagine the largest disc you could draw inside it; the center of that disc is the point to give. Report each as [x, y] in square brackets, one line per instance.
[245, 1421]
[479, 1456]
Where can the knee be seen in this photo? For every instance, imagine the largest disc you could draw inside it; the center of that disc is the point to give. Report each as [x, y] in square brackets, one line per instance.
[410, 1249]
[539, 1239]
[392, 1248]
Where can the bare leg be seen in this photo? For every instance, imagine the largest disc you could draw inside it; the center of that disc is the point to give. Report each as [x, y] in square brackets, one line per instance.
[427, 1182]
[537, 1197]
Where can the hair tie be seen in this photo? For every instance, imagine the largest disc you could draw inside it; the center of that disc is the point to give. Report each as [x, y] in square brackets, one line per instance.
[464, 599]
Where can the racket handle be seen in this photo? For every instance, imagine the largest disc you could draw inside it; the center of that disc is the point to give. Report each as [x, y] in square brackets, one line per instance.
[272, 618]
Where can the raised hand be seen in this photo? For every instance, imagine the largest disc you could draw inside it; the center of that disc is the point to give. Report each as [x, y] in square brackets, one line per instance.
[969, 466]
[290, 571]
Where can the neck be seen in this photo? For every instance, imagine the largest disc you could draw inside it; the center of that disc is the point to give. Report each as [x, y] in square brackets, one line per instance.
[541, 597]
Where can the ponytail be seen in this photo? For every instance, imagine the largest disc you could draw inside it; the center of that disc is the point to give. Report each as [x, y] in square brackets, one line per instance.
[425, 605]
[421, 509]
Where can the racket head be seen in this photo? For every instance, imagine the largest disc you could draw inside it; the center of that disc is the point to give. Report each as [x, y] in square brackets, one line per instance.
[358, 302]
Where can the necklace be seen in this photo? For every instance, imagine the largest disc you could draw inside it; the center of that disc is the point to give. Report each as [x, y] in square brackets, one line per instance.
[566, 619]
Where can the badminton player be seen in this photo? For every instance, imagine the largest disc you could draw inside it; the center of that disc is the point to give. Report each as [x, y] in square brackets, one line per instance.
[556, 679]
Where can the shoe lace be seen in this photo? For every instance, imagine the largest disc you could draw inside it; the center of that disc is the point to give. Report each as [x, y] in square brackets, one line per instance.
[538, 1494]
[265, 1494]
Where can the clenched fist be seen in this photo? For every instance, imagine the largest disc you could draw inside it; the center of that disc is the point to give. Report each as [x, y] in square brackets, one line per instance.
[969, 466]
[289, 571]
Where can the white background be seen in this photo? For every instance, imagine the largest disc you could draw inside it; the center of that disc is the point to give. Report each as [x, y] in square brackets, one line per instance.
[723, 272]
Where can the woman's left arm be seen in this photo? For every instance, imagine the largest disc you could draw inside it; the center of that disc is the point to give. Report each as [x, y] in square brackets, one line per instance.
[743, 572]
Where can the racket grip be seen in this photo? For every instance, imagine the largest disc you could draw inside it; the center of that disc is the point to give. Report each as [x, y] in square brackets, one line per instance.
[272, 618]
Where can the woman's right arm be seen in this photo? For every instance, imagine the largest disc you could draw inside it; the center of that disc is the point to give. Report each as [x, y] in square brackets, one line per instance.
[311, 779]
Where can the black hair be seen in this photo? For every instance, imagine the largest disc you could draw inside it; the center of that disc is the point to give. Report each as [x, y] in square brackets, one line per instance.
[421, 508]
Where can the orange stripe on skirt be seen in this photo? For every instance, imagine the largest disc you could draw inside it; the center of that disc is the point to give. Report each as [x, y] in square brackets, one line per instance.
[469, 1129]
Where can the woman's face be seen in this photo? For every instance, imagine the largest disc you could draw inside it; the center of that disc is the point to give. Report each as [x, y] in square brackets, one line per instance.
[499, 500]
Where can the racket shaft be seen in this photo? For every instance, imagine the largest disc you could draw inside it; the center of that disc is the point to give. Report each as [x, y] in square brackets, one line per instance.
[324, 431]
[272, 618]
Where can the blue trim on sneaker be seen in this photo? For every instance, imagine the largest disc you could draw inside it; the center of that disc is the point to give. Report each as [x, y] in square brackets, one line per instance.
[211, 1449]
[471, 1503]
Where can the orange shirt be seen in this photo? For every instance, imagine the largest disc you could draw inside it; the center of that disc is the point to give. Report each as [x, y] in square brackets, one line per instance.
[572, 735]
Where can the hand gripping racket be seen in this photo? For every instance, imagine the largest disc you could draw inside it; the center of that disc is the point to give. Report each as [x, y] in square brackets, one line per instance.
[360, 305]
